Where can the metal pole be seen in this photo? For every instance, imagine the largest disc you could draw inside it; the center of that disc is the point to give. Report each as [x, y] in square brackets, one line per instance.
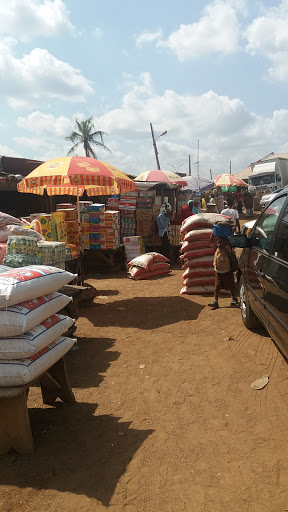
[230, 167]
[189, 165]
[211, 174]
[155, 147]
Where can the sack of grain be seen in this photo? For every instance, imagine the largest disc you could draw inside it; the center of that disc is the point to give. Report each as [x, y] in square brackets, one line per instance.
[203, 221]
[22, 284]
[147, 259]
[31, 342]
[17, 372]
[15, 320]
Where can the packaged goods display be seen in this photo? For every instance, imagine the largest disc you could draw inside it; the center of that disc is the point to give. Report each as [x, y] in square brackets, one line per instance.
[52, 253]
[175, 236]
[128, 224]
[133, 246]
[96, 211]
[110, 230]
[21, 251]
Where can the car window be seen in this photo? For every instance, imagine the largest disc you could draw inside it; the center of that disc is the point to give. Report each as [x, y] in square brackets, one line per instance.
[281, 242]
[264, 227]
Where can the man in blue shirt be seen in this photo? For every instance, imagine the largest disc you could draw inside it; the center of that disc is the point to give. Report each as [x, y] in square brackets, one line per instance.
[163, 221]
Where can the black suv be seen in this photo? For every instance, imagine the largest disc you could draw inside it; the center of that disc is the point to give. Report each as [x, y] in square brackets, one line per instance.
[263, 272]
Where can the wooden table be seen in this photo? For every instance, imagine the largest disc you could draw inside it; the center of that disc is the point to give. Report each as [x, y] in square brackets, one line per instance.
[15, 429]
[109, 259]
[76, 266]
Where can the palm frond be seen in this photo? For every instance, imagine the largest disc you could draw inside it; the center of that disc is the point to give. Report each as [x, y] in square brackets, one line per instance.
[71, 151]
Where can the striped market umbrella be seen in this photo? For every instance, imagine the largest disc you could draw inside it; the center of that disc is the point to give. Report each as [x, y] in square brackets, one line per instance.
[66, 175]
[228, 180]
[159, 176]
[72, 176]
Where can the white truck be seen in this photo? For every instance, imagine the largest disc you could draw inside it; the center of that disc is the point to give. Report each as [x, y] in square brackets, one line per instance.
[271, 174]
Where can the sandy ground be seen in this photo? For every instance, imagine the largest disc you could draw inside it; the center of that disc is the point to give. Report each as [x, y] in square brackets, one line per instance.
[165, 419]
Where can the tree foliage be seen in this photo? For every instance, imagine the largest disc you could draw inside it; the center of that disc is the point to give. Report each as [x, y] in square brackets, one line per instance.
[86, 136]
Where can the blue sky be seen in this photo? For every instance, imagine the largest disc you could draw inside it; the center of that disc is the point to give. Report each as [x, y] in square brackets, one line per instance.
[214, 71]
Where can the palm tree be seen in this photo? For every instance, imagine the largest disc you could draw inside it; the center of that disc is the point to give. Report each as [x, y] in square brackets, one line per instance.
[86, 135]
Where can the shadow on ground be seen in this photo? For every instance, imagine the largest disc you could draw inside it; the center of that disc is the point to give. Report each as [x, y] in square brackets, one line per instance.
[87, 365]
[76, 452]
[143, 312]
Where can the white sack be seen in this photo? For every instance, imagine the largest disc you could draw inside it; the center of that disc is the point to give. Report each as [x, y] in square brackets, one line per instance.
[25, 316]
[16, 372]
[31, 342]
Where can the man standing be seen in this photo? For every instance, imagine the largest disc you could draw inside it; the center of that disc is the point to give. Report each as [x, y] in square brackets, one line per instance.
[163, 221]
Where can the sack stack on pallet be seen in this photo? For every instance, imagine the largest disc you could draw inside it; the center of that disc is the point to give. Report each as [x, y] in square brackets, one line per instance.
[31, 329]
[148, 265]
[198, 252]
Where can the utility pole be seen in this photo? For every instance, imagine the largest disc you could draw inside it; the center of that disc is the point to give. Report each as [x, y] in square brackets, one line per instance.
[230, 167]
[155, 147]
[189, 166]
[211, 174]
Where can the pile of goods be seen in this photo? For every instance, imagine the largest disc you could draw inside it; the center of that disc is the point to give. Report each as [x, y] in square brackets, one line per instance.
[85, 225]
[134, 247]
[95, 211]
[53, 253]
[21, 251]
[175, 236]
[110, 230]
[198, 252]
[148, 265]
[144, 216]
[127, 205]
[32, 332]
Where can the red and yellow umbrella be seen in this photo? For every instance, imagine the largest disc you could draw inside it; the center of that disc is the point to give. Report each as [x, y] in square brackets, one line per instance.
[228, 180]
[73, 175]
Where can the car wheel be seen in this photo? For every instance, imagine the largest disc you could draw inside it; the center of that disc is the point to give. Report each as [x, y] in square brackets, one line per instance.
[250, 320]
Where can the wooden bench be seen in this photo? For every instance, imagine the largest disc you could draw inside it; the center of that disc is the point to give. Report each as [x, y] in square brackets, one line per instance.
[15, 429]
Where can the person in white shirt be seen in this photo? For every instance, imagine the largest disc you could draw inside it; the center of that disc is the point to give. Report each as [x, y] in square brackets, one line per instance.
[232, 212]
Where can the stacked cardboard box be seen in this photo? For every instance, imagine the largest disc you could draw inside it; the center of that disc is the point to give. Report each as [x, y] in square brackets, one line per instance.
[128, 223]
[110, 230]
[96, 212]
[134, 247]
[144, 216]
[175, 237]
[113, 203]
[85, 226]
[127, 202]
[72, 236]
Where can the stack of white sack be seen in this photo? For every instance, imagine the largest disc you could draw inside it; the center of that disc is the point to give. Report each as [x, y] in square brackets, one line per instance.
[198, 252]
[31, 330]
[149, 265]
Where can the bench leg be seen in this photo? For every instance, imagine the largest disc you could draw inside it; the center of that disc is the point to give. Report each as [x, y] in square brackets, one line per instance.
[55, 384]
[15, 430]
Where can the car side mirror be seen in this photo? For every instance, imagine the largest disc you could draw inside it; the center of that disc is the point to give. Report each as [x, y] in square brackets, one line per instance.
[240, 241]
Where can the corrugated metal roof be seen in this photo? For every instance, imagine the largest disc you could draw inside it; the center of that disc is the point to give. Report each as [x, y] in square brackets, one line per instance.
[245, 173]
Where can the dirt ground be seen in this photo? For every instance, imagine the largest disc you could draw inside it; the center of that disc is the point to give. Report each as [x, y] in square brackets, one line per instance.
[165, 419]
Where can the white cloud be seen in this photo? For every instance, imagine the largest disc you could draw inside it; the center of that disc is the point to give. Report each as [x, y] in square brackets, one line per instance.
[148, 37]
[218, 31]
[97, 33]
[39, 75]
[224, 126]
[5, 151]
[24, 20]
[267, 36]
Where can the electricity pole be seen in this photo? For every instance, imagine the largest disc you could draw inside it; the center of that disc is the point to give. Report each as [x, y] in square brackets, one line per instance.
[189, 165]
[155, 146]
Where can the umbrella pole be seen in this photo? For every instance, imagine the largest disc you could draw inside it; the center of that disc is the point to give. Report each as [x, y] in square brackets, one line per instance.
[79, 232]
